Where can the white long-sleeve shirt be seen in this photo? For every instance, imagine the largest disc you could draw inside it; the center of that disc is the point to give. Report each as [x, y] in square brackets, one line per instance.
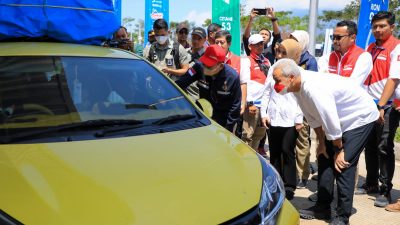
[335, 103]
[282, 110]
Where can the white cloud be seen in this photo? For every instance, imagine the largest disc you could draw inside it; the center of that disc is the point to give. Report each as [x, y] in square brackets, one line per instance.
[198, 17]
[288, 5]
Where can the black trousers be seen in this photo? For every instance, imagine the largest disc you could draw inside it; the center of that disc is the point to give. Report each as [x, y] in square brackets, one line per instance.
[379, 152]
[282, 142]
[353, 143]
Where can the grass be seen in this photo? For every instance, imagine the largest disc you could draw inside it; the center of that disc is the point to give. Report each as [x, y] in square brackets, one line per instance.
[397, 136]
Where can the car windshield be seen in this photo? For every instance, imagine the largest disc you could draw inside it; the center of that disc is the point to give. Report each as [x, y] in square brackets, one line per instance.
[38, 93]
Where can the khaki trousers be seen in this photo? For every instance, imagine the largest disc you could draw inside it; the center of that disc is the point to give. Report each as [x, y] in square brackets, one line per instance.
[253, 131]
[303, 152]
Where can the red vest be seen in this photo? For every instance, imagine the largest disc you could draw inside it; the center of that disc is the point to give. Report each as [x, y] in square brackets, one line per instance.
[256, 74]
[381, 60]
[344, 66]
[234, 61]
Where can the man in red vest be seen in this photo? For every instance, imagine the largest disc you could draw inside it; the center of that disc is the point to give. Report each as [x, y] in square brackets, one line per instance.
[349, 60]
[257, 66]
[379, 152]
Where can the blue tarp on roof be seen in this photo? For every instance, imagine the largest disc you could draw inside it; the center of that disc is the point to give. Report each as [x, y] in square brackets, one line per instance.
[75, 21]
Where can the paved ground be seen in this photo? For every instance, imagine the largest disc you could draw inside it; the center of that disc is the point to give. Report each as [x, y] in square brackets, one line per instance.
[367, 213]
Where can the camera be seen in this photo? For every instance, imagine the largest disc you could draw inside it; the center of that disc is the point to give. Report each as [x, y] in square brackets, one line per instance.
[114, 43]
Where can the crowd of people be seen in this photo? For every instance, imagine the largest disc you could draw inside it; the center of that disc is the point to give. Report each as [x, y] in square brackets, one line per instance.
[280, 91]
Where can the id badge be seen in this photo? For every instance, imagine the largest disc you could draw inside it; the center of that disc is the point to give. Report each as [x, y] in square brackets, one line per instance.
[169, 62]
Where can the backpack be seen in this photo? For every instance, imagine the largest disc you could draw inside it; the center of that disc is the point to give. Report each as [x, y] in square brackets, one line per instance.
[174, 53]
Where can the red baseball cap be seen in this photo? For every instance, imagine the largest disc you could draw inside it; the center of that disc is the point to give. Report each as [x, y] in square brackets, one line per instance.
[214, 54]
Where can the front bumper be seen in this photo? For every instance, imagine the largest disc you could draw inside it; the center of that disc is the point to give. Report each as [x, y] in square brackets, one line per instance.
[288, 215]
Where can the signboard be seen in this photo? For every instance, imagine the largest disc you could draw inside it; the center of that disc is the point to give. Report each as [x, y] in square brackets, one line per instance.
[227, 14]
[368, 8]
[155, 9]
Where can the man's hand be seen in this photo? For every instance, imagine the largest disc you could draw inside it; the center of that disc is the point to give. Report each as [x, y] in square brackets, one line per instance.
[270, 13]
[242, 109]
[321, 149]
[266, 121]
[253, 14]
[299, 126]
[167, 70]
[126, 44]
[381, 119]
[340, 163]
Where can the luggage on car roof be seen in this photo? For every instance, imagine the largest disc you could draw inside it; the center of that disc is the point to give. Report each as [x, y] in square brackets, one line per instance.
[74, 21]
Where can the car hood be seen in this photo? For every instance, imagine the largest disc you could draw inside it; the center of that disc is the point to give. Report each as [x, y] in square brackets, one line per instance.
[196, 176]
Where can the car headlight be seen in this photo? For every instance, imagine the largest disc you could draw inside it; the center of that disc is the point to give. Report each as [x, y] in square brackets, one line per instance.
[272, 194]
[271, 199]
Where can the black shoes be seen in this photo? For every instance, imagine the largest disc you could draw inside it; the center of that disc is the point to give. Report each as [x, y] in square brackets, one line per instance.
[315, 212]
[367, 189]
[302, 184]
[339, 221]
[289, 194]
[383, 200]
[313, 197]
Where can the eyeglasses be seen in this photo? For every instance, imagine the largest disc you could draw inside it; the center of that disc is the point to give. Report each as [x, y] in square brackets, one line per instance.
[338, 37]
[183, 32]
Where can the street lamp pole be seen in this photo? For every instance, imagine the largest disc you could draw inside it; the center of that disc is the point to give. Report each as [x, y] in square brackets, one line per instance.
[312, 25]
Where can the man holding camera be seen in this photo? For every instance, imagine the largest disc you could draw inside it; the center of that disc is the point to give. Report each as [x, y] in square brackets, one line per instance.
[268, 52]
[121, 40]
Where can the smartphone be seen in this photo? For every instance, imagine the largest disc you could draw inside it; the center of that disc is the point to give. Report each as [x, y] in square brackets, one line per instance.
[261, 11]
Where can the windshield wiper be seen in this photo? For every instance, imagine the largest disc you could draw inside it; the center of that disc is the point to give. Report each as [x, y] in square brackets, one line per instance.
[89, 124]
[174, 118]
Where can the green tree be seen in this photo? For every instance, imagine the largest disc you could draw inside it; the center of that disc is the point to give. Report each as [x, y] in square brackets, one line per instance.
[352, 10]
[206, 23]
[287, 22]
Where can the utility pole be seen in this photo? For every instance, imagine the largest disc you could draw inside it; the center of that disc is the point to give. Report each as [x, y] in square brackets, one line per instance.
[312, 25]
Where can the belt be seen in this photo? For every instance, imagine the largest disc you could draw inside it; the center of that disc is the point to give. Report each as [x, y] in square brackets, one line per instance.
[253, 103]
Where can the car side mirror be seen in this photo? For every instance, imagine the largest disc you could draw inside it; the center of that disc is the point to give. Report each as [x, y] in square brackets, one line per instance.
[205, 106]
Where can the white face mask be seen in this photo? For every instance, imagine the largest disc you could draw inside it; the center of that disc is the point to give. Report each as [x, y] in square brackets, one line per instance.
[161, 39]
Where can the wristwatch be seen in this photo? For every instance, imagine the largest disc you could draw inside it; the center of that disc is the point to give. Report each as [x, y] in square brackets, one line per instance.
[380, 107]
[274, 19]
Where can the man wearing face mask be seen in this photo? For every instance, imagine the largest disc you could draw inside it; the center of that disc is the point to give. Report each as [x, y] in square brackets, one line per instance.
[218, 83]
[342, 115]
[171, 58]
[258, 66]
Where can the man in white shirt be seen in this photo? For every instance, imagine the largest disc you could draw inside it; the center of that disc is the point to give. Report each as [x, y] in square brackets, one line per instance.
[342, 115]
[257, 67]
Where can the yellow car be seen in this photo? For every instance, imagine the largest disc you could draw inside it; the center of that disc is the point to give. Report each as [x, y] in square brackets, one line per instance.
[92, 135]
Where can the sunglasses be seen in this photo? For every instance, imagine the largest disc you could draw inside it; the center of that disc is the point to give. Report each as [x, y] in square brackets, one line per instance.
[338, 37]
[183, 32]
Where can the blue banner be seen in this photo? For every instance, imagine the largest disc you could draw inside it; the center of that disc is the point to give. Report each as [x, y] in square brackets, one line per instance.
[368, 8]
[155, 9]
[117, 6]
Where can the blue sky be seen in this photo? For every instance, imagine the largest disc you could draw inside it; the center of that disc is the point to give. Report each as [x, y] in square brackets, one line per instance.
[199, 10]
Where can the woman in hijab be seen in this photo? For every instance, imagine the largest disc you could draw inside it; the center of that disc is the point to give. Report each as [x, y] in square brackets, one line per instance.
[307, 61]
[284, 118]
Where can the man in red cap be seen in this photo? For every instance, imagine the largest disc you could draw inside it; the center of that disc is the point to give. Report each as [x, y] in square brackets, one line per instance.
[218, 83]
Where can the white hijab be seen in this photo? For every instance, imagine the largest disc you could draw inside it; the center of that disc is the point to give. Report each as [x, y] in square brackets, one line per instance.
[303, 38]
